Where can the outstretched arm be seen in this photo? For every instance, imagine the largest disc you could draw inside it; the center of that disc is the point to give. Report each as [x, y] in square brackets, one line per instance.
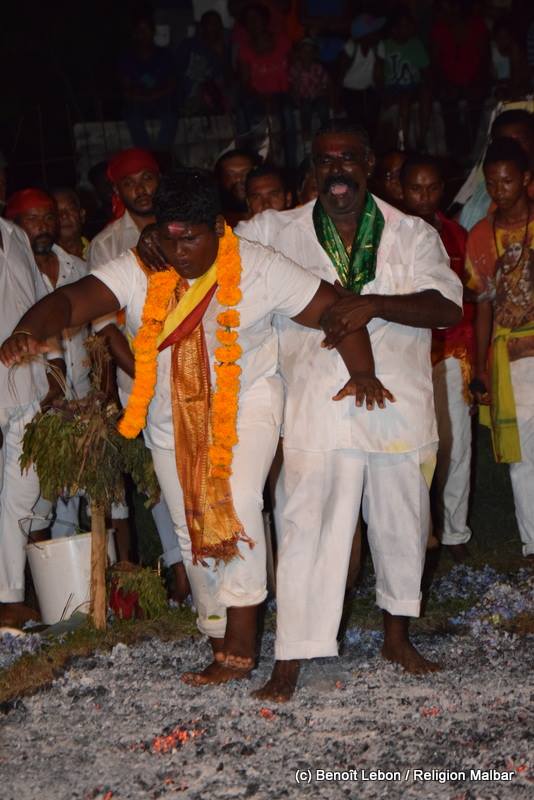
[70, 306]
[354, 349]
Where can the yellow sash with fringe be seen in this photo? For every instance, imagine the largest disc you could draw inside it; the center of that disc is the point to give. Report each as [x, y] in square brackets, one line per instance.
[501, 416]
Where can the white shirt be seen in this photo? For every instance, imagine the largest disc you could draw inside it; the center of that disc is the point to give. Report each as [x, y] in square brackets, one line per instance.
[269, 282]
[360, 74]
[72, 269]
[410, 259]
[116, 238]
[20, 288]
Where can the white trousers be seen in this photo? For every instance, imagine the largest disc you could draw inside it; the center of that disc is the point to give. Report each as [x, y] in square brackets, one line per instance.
[18, 495]
[242, 581]
[522, 473]
[67, 515]
[318, 500]
[170, 544]
[453, 469]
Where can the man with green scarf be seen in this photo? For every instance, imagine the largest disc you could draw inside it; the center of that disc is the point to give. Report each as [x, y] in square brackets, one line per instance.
[398, 282]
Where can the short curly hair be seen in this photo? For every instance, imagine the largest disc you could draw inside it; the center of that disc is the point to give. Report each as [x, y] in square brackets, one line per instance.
[187, 195]
[506, 149]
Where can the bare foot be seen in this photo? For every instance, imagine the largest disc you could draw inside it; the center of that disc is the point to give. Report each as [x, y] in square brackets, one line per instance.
[405, 654]
[181, 583]
[17, 614]
[217, 646]
[398, 648]
[282, 684]
[233, 656]
[220, 672]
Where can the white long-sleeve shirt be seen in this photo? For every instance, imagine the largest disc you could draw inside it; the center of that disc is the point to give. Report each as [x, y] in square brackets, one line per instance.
[21, 287]
[411, 258]
[72, 269]
[114, 239]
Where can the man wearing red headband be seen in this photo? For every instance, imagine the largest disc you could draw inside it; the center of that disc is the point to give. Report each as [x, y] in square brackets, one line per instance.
[37, 214]
[134, 175]
[21, 392]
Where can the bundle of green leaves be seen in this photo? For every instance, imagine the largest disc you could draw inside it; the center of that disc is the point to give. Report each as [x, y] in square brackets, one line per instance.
[75, 445]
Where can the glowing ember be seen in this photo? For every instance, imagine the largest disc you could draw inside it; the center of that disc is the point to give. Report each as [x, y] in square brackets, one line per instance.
[173, 740]
[266, 713]
[430, 711]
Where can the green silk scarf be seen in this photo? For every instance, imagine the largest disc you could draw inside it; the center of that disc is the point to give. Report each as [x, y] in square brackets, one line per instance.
[358, 268]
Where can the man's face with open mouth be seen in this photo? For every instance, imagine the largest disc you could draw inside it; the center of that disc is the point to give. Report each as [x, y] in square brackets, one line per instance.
[342, 166]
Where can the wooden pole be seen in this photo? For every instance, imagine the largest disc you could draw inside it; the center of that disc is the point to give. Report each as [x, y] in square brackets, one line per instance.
[99, 553]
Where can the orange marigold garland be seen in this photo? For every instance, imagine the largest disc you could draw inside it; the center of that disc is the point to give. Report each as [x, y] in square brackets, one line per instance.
[161, 286]
[225, 399]
[224, 405]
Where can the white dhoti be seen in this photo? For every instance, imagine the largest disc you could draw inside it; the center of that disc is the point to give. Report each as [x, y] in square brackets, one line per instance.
[522, 472]
[453, 469]
[18, 495]
[318, 500]
[242, 581]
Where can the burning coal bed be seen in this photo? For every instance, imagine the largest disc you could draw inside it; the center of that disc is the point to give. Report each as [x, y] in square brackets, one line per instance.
[122, 726]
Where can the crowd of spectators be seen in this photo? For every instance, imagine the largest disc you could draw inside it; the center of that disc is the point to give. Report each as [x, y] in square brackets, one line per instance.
[299, 63]
[388, 72]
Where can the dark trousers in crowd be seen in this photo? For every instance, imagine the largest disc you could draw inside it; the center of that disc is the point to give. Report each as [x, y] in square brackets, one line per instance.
[363, 107]
[253, 108]
[137, 114]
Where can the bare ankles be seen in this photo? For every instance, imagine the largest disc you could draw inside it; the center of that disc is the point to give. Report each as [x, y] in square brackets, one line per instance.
[282, 684]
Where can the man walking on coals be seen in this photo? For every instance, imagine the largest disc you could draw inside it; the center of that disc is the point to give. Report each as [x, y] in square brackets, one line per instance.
[205, 321]
[397, 283]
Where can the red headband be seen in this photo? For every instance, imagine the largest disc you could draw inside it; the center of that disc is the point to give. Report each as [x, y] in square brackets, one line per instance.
[22, 201]
[128, 162]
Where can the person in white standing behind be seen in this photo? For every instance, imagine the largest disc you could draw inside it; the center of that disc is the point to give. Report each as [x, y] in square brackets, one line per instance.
[398, 283]
[36, 213]
[134, 175]
[21, 391]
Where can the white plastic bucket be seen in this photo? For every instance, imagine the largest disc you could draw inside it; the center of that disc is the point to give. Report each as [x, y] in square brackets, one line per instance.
[61, 571]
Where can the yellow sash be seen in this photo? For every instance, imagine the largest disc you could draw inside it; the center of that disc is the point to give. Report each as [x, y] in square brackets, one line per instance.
[192, 297]
[501, 415]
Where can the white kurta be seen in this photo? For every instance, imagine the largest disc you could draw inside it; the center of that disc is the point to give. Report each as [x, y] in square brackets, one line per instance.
[270, 284]
[21, 389]
[114, 239]
[411, 258]
[21, 286]
[338, 456]
[71, 269]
